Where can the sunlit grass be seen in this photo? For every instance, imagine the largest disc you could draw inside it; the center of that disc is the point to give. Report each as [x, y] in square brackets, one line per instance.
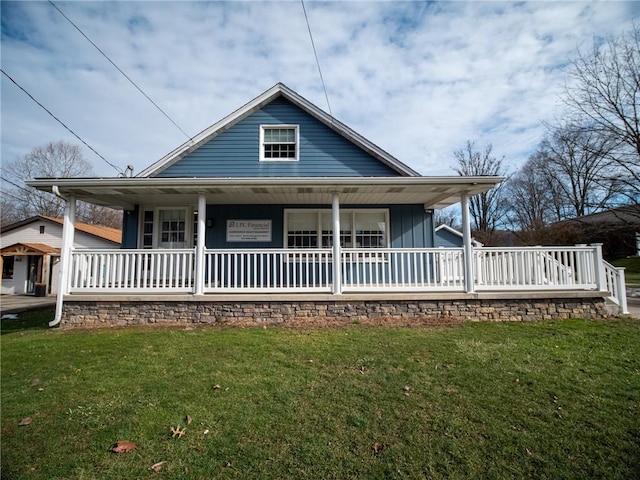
[537, 400]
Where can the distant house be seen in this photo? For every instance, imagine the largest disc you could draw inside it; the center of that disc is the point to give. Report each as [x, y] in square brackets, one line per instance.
[31, 252]
[618, 230]
[446, 236]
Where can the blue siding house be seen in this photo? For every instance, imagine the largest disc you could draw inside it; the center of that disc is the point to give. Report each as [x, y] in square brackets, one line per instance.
[281, 202]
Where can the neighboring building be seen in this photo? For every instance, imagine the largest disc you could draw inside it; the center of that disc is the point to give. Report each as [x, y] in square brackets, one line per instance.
[30, 252]
[618, 230]
[280, 208]
[446, 236]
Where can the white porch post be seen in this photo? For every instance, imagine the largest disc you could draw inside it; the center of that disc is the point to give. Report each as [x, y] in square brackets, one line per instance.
[200, 243]
[68, 229]
[468, 248]
[601, 281]
[337, 262]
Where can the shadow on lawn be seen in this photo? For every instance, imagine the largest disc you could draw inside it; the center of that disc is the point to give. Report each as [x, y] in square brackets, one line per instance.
[27, 321]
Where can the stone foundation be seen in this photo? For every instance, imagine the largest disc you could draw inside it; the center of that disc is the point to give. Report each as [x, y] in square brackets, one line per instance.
[394, 312]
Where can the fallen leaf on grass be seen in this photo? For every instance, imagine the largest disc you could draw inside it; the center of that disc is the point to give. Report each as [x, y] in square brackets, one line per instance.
[188, 419]
[377, 448]
[25, 421]
[156, 467]
[123, 446]
[35, 382]
[199, 449]
[176, 432]
[216, 387]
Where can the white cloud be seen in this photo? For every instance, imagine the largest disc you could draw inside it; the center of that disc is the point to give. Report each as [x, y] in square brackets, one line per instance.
[418, 79]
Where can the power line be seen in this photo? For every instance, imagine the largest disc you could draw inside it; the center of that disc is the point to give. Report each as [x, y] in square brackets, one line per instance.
[15, 185]
[60, 122]
[316, 55]
[120, 70]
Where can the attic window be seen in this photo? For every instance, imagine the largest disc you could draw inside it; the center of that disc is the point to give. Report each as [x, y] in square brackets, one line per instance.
[279, 143]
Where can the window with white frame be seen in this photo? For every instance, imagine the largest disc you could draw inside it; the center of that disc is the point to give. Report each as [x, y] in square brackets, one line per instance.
[167, 228]
[279, 143]
[359, 228]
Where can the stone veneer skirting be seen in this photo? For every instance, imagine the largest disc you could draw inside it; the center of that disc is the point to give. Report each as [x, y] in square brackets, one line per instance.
[300, 312]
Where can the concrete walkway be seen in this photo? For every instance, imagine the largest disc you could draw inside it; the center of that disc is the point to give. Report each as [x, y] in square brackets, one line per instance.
[23, 303]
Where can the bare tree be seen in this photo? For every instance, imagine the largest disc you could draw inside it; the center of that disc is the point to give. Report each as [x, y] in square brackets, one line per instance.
[604, 94]
[576, 164]
[53, 160]
[446, 216]
[487, 209]
[531, 201]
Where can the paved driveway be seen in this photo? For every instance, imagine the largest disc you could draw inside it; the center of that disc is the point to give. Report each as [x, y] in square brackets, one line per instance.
[22, 303]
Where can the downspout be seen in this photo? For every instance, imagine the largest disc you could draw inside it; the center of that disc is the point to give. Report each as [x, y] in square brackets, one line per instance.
[65, 253]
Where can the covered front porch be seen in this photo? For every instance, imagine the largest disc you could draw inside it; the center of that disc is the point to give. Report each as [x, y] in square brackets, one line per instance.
[334, 267]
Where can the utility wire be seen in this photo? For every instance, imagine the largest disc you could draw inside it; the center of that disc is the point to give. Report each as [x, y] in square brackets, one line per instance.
[7, 194]
[61, 123]
[316, 55]
[16, 185]
[120, 70]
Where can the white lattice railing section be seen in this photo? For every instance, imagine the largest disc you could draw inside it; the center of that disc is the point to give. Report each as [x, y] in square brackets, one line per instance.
[269, 270]
[168, 270]
[535, 268]
[402, 270]
[616, 285]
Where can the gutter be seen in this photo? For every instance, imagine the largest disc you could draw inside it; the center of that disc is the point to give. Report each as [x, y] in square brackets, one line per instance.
[60, 293]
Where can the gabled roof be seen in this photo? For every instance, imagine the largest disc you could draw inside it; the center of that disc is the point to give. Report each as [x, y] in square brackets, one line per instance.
[457, 233]
[278, 90]
[23, 248]
[105, 233]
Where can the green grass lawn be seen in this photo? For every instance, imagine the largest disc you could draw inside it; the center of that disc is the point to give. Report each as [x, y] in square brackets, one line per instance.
[632, 269]
[482, 400]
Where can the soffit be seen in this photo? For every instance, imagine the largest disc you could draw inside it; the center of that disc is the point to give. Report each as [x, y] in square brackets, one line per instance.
[125, 193]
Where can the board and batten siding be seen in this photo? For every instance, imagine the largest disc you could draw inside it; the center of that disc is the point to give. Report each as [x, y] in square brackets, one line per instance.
[52, 236]
[410, 226]
[236, 152]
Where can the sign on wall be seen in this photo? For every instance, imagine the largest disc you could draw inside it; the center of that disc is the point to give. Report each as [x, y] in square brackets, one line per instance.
[248, 230]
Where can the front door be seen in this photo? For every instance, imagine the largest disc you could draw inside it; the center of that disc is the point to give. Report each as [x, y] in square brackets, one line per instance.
[32, 273]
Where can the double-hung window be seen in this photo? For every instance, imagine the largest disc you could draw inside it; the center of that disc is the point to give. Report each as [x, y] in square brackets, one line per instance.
[359, 228]
[279, 143]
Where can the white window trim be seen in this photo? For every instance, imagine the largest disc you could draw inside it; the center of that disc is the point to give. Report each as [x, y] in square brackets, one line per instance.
[350, 211]
[280, 126]
[189, 234]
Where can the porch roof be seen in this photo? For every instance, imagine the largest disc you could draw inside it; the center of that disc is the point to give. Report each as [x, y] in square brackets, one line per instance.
[125, 193]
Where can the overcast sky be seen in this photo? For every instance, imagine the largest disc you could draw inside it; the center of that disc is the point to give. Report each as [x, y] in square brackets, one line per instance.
[418, 79]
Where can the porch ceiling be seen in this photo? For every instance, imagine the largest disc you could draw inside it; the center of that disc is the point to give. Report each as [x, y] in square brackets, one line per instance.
[125, 193]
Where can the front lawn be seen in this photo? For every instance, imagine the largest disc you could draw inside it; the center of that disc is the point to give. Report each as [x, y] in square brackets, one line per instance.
[481, 400]
[632, 269]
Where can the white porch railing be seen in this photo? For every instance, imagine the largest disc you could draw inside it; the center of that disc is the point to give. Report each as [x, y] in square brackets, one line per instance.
[535, 268]
[272, 270]
[375, 270]
[615, 281]
[403, 270]
[152, 271]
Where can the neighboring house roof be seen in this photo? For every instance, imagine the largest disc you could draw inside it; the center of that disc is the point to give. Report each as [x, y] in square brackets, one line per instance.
[113, 235]
[457, 233]
[627, 215]
[278, 90]
[29, 249]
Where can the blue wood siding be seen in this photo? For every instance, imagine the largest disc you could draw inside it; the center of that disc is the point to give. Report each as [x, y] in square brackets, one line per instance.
[410, 226]
[235, 152]
[445, 238]
[130, 228]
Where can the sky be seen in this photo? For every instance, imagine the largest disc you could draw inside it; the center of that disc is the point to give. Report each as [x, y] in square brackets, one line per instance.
[418, 79]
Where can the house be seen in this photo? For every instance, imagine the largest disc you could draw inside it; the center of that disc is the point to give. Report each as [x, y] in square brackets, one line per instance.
[30, 252]
[446, 236]
[618, 230]
[280, 211]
